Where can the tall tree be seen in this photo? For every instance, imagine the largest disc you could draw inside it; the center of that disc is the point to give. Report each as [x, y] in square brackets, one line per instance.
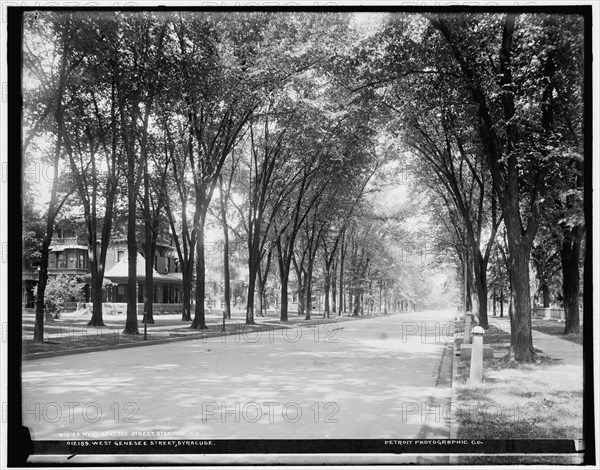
[217, 109]
[517, 153]
[179, 183]
[91, 143]
[37, 34]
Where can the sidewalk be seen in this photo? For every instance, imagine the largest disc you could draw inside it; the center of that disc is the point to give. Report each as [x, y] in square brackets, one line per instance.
[556, 348]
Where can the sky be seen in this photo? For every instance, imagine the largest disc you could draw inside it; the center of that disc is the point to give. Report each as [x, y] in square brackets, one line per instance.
[368, 23]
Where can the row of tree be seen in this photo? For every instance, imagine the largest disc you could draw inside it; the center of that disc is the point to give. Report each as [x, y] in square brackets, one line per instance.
[491, 108]
[167, 120]
[279, 126]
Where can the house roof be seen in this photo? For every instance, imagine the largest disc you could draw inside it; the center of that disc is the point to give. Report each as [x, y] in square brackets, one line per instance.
[67, 247]
[172, 276]
[121, 270]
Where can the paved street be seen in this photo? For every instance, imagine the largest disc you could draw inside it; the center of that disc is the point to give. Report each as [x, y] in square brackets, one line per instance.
[372, 378]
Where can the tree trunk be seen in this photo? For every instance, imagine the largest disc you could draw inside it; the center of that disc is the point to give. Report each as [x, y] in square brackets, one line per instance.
[342, 298]
[264, 302]
[545, 294]
[149, 285]
[356, 303]
[327, 286]
[301, 298]
[186, 258]
[131, 326]
[334, 289]
[300, 293]
[482, 292]
[259, 293]
[38, 329]
[96, 299]
[149, 249]
[502, 303]
[252, 272]
[226, 271]
[469, 286]
[186, 274]
[226, 277]
[569, 258]
[385, 302]
[350, 300]
[253, 268]
[284, 297]
[250, 299]
[199, 322]
[284, 275]
[520, 325]
[308, 291]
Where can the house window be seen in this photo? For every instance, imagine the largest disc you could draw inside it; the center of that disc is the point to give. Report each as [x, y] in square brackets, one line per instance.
[168, 264]
[82, 260]
[72, 260]
[62, 261]
[120, 255]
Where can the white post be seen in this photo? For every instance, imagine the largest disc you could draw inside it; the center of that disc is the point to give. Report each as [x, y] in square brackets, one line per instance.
[477, 355]
[468, 323]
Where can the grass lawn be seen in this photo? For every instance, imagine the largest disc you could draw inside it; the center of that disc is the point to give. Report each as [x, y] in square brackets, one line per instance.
[66, 343]
[519, 401]
[113, 336]
[70, 332]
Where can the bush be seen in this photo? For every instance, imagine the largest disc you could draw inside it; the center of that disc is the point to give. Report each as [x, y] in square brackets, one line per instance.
[60, 290]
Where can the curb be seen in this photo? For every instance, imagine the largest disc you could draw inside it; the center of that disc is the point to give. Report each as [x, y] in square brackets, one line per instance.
[198, 336]
[455, 359]
[68, 352]
[454, 459]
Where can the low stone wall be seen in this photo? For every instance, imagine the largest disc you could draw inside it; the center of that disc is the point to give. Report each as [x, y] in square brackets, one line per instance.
[549, 313]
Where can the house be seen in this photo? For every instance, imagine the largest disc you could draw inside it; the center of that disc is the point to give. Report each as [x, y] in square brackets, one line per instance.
[69, 255]
[168, 281]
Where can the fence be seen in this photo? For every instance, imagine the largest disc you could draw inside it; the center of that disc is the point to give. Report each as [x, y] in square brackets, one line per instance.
[549, 313]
